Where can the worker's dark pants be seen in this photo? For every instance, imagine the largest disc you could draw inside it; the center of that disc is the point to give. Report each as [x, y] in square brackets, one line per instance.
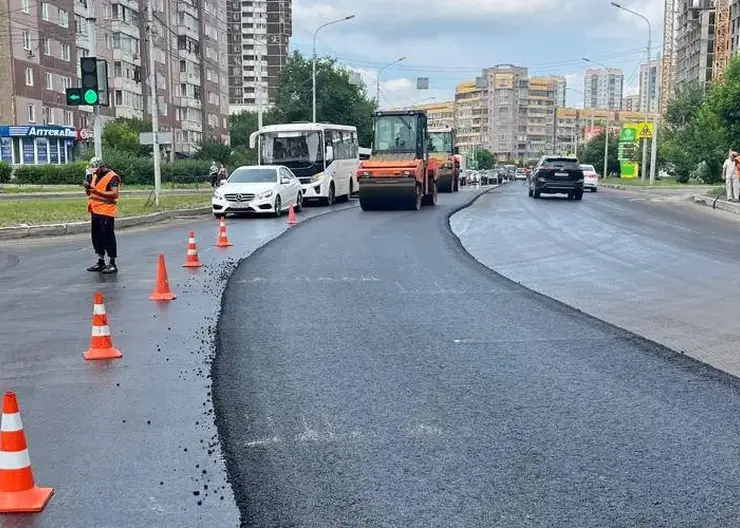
[103, 235]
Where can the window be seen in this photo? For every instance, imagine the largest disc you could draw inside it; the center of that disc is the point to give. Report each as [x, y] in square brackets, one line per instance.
[48, 115]
[65, 52]
[25, 6]
[183, 66]
[196, 92]
[183, 90]
[26, 39]
[117, 69]
[80, 25]
[44, 11]
[119, 98]
[63, 18]
[31, 113]
[48, 81]
[47, 46]
[67, 116]
[29, 77]
[66, 82]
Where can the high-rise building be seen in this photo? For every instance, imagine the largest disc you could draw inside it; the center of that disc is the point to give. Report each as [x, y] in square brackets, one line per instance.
[561, 88]
[507, 100]
[440, 114]
[649, 85]
[603, 89]
[41, 52]
[695, 42]
[631, 103]
[470, 109]
[258, 35]
[540, 116]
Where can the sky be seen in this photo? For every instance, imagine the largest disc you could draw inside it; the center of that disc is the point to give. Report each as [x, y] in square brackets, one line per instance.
[449, 41]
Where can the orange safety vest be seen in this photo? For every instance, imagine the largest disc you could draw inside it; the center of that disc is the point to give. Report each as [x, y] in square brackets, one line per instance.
[99, 205]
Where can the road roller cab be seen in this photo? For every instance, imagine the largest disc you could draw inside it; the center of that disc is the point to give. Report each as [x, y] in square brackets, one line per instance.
[400, 174]
[442, 148]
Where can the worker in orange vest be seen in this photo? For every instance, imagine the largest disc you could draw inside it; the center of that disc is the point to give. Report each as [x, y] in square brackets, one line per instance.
[102, 186]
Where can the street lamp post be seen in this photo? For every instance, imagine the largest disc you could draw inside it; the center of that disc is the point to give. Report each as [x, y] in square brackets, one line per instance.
[313, 66]
[606, 132]
[377, 84]
[647, 105]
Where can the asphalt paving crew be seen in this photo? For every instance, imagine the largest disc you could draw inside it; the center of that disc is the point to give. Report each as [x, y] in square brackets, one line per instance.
[731, 176]
[102, 185]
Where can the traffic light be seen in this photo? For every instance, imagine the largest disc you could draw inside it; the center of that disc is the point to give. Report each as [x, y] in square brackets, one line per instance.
[74, 96]
[89, 89]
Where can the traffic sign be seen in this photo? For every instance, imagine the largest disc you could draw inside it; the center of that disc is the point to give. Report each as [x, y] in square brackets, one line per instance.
[645, 131]
[74, 96]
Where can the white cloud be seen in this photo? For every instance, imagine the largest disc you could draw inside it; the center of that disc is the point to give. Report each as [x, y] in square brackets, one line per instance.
[399, 91]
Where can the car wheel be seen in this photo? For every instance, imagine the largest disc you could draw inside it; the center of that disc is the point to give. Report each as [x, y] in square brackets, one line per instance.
[329, 200]
[535, 194]
[299, 203]
[278, 206]
[529, 192]
[578, 195]
[594, 189]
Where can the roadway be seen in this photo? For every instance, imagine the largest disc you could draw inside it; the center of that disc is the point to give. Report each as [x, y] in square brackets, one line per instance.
[370, 372]
[133, 442]
[652, 263]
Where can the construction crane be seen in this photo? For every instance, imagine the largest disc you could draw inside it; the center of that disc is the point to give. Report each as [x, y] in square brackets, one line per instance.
[722, 38]
[668, 66]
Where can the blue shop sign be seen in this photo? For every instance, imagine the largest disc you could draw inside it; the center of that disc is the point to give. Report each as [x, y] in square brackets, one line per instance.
[31, 131]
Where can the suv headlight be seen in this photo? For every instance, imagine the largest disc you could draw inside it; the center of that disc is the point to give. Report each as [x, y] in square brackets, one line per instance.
[218, 195]
[263, 195]
[317, 177]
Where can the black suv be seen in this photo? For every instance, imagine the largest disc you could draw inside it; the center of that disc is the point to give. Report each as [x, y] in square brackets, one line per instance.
[557, 175]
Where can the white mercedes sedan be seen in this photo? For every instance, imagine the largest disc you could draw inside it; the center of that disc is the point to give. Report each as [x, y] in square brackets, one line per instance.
[269, 189]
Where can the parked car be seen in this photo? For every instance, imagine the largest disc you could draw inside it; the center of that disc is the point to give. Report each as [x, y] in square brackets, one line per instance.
[557, 175]
[270, 189]
[590, 178]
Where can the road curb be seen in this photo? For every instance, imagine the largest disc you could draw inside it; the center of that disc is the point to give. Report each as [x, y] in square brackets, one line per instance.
[81, 194]
[722, 205]
[73, 228]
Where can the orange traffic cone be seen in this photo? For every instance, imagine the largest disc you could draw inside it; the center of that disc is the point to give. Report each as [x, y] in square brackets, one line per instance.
[291, 216]
[192, 261]
[18, 491]
[162, 291]
[101, 342]
[223, 240]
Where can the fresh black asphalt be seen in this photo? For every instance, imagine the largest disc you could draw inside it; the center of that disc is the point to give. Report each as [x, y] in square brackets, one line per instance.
[370, 373]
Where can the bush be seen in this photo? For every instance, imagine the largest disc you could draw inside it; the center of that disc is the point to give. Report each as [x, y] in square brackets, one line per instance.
[133, 171]
[6, 171]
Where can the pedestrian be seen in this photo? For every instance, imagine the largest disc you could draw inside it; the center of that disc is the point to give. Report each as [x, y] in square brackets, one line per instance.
[730, 175]
[102, 190]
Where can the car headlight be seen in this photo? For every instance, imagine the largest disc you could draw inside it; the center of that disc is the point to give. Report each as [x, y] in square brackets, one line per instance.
[317, 177]
[218, 195]
[262, 196]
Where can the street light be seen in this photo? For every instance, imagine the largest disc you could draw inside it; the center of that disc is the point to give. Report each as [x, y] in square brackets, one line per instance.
[653, 155]
[313, 75]
[606, 132]
[377, 87]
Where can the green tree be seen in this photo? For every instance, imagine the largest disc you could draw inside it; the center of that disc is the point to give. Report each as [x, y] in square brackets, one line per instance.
[593, 153]
[338, 100]
[485, 159]
[122, 135]
[212, 149]
[724, 100]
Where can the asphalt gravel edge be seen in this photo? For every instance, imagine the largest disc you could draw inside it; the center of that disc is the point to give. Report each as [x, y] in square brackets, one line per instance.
[646, 345]
[218, 399]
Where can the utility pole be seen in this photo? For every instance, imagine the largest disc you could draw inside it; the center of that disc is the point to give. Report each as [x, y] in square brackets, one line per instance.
[606, 148]
[654, 142]
[258, 89]
[93, 41]
[153, 106]
[647, 111]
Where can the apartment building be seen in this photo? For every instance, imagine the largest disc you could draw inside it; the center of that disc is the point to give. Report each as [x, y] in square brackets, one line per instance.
[631, 103]
[561, 88]
[41, 52]
[649, 85]
[575, 126]
[505, 134]
[603, 88]
[540, 116]
[258, 34]
[440, 114]
[695, 42]
[470, 110]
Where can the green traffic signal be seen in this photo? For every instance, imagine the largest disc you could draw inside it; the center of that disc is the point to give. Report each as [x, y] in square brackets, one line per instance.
[91, 97]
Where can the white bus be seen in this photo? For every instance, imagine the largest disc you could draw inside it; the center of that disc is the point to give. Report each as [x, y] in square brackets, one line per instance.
[365, 153]
[323, 157]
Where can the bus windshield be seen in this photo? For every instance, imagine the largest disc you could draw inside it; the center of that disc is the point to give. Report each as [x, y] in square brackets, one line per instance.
[294, 148]
[440, 142]
[395, 133]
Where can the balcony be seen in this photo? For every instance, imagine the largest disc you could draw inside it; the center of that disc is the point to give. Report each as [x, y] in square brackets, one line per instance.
[119, 26]
[127, 56]
[188, 31]
[185, 7]
[129, 85]
[190, 77]
[188, 102]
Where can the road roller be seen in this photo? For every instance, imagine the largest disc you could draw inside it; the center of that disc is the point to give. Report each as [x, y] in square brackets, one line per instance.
[400, 173]
[441, 148]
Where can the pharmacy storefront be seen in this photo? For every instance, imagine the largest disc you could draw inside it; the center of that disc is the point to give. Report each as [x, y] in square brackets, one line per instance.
[36, 145]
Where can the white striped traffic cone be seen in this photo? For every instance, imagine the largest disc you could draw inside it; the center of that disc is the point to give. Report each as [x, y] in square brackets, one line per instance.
[101, 342]
[18, 490]
[192, 260]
